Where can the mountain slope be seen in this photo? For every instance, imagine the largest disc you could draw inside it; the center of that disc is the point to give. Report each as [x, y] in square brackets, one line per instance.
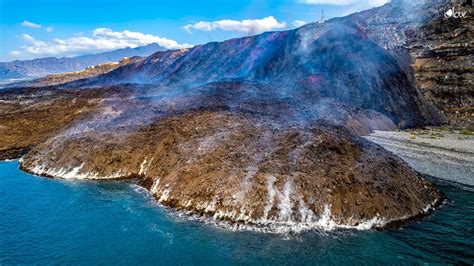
[402, 59]
[51, 65]
[332, 60]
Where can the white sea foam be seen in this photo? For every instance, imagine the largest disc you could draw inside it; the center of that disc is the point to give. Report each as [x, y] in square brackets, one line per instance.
[284, 222]
[164, 195]
[324, 223]
[140, 189]
[72, 173]
[9, 160]
[154, 187]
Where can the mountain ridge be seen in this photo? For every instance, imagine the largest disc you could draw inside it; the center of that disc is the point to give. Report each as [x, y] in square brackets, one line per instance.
[399, 27]
[311, 60]
[54, 65]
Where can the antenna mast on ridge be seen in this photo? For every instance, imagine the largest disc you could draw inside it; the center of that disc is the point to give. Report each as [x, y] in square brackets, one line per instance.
[322, 17]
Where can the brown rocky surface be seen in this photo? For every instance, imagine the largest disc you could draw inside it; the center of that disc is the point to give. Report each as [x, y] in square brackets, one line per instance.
[31, 116]
[249, 163]
[27, 123]
[234, 167]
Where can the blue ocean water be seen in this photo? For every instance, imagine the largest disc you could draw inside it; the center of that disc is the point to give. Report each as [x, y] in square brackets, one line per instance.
[46, 221]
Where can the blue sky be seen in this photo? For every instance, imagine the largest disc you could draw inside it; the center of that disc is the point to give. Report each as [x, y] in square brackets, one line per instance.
[34, 29]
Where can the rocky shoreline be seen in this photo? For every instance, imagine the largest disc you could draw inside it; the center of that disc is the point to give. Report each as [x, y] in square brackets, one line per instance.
[231, 165]
[324, 221]
[293, 177]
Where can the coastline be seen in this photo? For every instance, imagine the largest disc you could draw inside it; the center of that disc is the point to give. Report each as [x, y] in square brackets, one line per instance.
[141, 229]
[325, 223]
[427, 143]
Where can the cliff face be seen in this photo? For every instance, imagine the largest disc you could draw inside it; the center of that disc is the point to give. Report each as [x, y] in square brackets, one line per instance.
[435, 44]
[444, 52]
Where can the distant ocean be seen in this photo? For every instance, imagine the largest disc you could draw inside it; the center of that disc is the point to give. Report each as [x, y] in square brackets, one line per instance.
[48, 221]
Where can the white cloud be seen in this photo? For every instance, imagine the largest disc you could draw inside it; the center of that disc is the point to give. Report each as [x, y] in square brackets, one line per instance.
[102, 39]
[28, 24]
[344, 2]
[15, 54]
[298, 23]
[30, 39]
[248, 26]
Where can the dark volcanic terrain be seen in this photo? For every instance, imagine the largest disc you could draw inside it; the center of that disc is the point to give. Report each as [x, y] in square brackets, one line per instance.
[439, 49]
[262, 130]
